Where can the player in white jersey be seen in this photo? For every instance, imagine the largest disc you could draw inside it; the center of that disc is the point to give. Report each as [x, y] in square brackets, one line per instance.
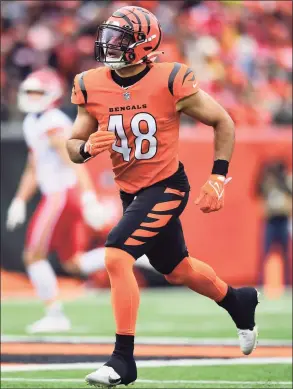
[69, 208]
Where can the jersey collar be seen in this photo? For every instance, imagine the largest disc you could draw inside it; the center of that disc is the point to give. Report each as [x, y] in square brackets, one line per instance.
[125, 82]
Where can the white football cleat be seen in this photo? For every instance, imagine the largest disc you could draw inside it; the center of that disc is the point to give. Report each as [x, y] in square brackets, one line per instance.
[53, 324]
[105, 377]
[248, 340]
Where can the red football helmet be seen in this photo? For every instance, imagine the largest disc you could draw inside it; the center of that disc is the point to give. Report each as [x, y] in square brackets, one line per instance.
[41, 90]
[130, 36]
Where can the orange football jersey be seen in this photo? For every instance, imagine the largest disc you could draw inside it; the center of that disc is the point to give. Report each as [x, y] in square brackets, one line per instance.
[143, 117]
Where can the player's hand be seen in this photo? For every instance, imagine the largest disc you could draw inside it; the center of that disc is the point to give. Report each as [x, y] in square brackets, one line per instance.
[94, 214]
[16, 214]
[211, 197]
[99, 141]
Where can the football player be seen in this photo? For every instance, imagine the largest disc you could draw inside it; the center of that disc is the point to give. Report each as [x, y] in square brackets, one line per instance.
[68, 204]
[136, 105]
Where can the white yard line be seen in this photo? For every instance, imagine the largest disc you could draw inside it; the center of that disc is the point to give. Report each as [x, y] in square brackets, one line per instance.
[139, 340]
[214, 382]
[203, 382]
[147, 364]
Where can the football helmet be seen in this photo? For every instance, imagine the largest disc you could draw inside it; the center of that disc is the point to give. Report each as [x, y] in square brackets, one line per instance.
[40, 91]
[130, 36]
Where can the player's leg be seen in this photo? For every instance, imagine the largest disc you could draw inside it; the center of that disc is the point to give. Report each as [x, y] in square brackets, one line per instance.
[171, 258]
[40, 271]
[143, 221]
[89, 262]
[268, 240]
[283, 238]
[239, 303]
[121, 367]
[74, 256]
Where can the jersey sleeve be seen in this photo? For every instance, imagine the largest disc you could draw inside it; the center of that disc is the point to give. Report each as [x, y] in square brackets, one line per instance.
[77, 96]
[182, 82]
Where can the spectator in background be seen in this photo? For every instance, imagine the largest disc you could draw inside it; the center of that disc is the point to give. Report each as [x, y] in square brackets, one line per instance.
[240, 50]
[239, 60]
[274, 187]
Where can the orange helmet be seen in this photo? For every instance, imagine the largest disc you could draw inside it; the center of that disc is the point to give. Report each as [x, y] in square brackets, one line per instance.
[130, 36]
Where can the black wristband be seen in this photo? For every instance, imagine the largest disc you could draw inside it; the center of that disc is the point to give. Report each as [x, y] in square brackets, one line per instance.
[220, 167]
[85, 155]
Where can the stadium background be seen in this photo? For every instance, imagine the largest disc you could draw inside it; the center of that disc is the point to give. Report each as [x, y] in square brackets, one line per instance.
[241, 52]
[246, 67]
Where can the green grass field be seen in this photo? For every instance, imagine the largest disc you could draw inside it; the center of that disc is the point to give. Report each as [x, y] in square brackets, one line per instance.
[163, 314]
[261, 376]
[172, 312]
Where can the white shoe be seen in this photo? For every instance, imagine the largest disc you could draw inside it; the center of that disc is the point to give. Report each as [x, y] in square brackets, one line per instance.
[106, 376]
[248, 340]
[52, 323]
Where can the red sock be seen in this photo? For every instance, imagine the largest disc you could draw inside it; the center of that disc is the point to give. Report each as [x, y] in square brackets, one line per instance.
[124, 290]
[200, 277]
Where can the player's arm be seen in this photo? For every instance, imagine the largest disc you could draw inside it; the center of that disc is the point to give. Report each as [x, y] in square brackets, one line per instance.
[205, 109]
[83, 126]
[86, 142]
[27, 187]
[28, 183]
[202, 107]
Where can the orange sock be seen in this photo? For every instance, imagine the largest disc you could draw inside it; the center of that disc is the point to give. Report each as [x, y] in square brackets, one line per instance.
[124, 290]
[200, 277]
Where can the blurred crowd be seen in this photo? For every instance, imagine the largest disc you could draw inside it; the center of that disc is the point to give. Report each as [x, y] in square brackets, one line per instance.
[274, 189]
[241, 50]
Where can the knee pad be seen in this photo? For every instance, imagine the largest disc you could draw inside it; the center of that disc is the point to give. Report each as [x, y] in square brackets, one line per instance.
[116, 260]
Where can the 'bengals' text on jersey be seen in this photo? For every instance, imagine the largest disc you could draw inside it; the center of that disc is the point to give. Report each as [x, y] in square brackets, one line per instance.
[143, 117]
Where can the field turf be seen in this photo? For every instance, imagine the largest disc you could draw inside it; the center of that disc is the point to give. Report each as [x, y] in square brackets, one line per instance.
[260, 376]
[172, 312]
[164, 314]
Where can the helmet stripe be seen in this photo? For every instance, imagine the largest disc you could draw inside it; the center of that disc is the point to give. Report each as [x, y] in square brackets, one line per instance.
[176, 68]
[159, 41]
[148, 21]
[138, 19]
[146, 15]
[119, 14]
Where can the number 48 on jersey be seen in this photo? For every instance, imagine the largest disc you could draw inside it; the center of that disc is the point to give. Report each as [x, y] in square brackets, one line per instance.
[116, 125]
